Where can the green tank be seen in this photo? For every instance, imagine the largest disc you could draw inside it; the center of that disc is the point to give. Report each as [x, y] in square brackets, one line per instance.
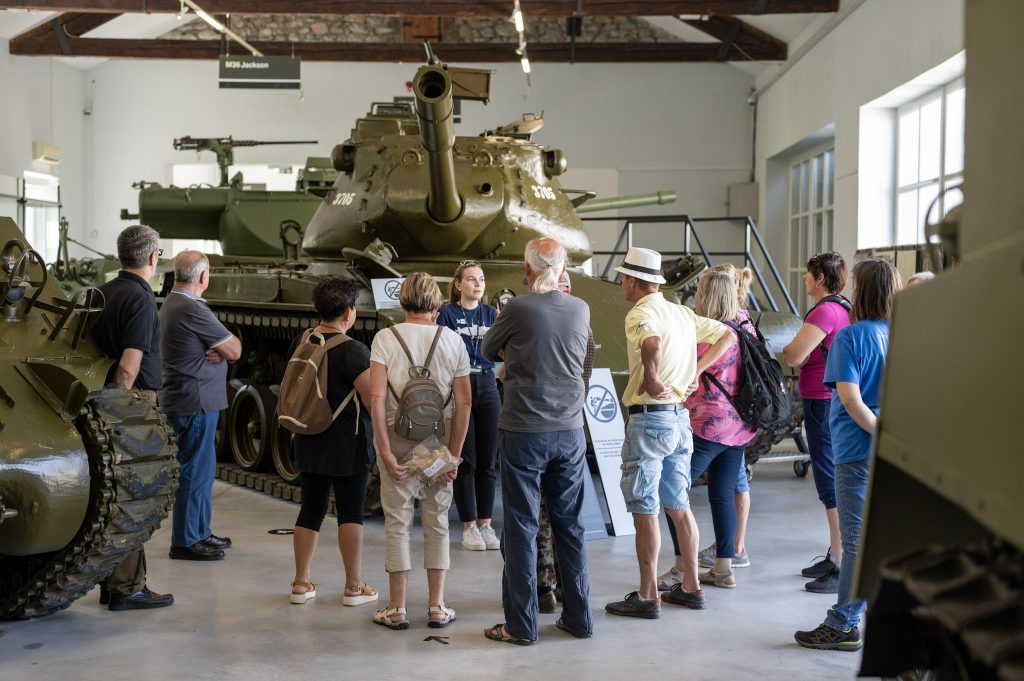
[86, 472]
[247, 222]
[412, 195]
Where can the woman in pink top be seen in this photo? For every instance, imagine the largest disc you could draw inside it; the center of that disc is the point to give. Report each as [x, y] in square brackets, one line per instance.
[824, 279]
[719, 434]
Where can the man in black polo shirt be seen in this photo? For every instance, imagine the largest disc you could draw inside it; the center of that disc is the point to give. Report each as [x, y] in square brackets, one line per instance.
[129, 332]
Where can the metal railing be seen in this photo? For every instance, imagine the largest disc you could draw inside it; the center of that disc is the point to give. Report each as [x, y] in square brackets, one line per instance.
[691, 237]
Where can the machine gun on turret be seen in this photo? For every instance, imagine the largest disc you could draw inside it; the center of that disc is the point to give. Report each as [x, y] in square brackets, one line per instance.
[224, 148]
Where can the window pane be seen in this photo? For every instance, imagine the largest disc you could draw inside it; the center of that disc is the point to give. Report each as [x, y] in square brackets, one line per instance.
[954, 197]
[908, 133]
[931, 139]
[819, 234]
[805, 185]
[906, 218]
[830, 176]
[819, 180]
[955, 131]
[794, 242]
[827, 240]
[796, 289]
[925, 197]
[794, 188]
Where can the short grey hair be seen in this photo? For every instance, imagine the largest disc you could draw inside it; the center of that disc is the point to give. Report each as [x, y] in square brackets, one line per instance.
[546, 266]
[188, 265]
[135, 244]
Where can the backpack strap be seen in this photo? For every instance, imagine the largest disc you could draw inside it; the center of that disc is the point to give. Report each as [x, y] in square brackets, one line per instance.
[344, 403]
[839, 300]
[433, 346]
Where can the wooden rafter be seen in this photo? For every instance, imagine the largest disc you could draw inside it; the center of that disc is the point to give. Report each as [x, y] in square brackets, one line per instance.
[395, 52]
[59, 30]
[739, 38]
[452, 8]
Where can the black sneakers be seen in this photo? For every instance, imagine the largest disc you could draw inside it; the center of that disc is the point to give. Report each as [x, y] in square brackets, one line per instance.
[828, 583]
[140, 600]
[677, 595]
[822, 567]
[827, 638]
[634, 606]
[199, 551]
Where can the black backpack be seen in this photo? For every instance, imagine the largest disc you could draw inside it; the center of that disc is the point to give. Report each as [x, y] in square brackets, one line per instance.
[762, 400]
[828, 299]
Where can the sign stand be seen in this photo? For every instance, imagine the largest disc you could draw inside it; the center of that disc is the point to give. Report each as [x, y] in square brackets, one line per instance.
[607, 433]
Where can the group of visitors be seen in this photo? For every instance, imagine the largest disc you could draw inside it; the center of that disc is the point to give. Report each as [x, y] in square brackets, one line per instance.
[176, 357]
[685, 373]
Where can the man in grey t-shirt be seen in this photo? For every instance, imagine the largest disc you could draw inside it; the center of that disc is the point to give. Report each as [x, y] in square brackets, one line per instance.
[194, 346]
[543, 340]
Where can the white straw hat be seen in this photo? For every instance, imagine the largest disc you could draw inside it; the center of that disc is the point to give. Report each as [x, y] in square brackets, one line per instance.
[642, 263]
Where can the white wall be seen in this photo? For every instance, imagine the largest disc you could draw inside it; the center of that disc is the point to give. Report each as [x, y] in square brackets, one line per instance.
[42, 101]
[880, 46]
[676, 127]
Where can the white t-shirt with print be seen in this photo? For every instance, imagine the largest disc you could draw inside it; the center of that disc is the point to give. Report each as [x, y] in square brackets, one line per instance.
[449, 362]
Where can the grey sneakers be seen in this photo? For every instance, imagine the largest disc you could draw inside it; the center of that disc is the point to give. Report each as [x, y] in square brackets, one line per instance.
[634, 606]
[706, 558]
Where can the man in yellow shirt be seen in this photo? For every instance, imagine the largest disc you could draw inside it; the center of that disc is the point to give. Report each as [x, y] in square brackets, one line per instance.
[661, 340]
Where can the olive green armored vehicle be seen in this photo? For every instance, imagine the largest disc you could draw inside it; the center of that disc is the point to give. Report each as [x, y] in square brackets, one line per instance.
[411, 195]
[86, 472]
[246, 221]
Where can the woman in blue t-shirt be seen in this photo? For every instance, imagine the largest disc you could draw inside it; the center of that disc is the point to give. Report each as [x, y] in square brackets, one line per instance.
[469, 317]
[854, 369]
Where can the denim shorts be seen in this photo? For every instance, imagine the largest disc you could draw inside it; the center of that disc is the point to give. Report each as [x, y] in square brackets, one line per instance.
[656, 461]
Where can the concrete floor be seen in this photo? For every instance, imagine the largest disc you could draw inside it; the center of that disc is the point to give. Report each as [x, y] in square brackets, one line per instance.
[232, 619]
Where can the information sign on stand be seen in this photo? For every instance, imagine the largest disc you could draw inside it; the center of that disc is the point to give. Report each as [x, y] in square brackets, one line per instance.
[385, 292]
[607, 432]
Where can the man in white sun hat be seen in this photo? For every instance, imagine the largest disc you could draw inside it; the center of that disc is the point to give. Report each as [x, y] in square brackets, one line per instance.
[661, 341]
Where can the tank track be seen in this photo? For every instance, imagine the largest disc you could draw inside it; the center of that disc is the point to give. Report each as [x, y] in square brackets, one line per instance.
[948, 613]
[134, 475]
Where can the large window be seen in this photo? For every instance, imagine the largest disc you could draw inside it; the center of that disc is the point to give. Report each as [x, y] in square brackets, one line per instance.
[41, 218]
[930, 159]
[812, 180]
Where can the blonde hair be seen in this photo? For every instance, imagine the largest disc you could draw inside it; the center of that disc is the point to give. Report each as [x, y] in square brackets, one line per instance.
[716, 296]
[743, 278]
[419, 293]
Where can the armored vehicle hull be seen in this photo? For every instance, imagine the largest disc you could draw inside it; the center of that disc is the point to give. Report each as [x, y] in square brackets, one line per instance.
[86, 472]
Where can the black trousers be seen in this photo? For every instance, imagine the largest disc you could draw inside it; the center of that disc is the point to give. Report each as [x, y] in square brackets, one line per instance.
[474, 486]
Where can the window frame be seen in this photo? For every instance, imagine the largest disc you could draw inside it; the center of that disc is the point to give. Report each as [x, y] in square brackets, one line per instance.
[824, 153]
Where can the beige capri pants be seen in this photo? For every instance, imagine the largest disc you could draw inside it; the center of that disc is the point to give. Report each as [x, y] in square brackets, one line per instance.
[399, 514]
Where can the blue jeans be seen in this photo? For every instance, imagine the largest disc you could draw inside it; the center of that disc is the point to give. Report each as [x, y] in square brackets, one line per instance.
[656, 461]
[552, 464]
[193, 502]
[819, 442]
[721, 462]
[851, 489]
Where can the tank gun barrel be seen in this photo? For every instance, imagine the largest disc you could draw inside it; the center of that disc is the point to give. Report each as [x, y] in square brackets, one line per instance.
[432, 87]
[633, 201]
[224, 147]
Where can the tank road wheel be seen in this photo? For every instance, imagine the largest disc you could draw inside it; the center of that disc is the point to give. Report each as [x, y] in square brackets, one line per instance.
[281, 449]
[220, 438]
[249, 431]
[134, 473]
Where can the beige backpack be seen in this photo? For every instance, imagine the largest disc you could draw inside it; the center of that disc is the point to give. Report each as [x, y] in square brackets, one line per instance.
[302, 405]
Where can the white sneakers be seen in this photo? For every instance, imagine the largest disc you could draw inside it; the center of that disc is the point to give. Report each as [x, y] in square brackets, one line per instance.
[480, 538]
[490, 538]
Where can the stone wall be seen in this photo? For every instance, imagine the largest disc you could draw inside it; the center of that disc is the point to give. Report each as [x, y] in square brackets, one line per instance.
[374, 28]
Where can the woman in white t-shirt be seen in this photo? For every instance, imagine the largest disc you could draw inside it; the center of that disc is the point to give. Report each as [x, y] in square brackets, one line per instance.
[389, 372]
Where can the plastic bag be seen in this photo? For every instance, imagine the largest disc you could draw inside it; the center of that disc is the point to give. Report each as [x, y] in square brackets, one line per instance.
[430, 460]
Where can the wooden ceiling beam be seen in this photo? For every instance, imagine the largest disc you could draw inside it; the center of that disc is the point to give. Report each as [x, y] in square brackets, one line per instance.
[445, 8]
[739, 38]
[60, 29]
[393, 52]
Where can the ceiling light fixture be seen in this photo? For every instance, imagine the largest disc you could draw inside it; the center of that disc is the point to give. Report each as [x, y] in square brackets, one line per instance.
[221, 28]
[517, 19]
[693, 17]
[526, 64]
[520, 24]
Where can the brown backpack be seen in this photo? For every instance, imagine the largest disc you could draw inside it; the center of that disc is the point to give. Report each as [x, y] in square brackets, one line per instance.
[302, 405]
